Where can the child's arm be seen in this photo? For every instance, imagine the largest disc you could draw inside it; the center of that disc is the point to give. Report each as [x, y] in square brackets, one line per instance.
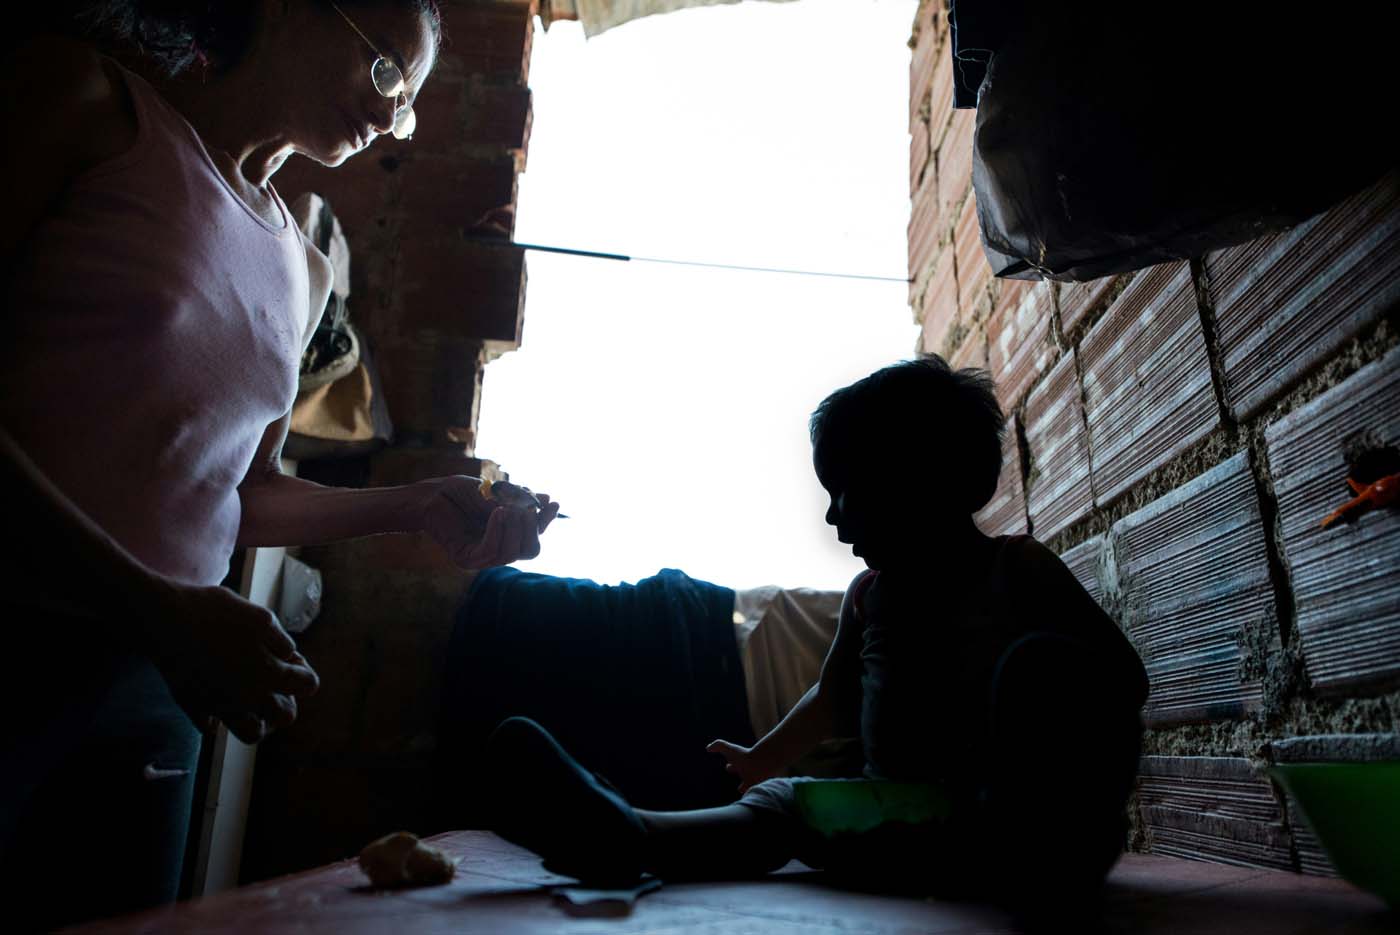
[830, 708]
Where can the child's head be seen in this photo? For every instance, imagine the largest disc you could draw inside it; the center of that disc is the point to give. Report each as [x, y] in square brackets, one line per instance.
[908, 450]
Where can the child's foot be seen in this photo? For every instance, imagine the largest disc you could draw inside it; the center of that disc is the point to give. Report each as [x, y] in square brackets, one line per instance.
[545, 801]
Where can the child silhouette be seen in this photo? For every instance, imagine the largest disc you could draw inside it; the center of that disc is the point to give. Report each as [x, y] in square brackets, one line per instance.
[979, 675]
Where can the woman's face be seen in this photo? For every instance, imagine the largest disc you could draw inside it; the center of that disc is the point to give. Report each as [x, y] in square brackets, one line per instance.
[334, 108]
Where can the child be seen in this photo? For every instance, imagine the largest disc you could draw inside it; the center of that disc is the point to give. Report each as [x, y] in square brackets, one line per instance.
[975, 667]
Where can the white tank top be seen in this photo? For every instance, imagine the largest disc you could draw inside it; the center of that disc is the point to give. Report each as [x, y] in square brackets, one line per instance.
[155, 329]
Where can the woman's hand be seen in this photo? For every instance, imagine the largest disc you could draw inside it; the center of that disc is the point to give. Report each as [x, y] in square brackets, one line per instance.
[750, 767]
[479, 533]
[227, 658]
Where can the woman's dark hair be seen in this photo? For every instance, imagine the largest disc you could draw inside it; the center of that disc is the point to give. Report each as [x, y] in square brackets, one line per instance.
[921, 416]
[175, 35]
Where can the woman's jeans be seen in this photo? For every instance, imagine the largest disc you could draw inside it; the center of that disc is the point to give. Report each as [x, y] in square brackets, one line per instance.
[97, 782]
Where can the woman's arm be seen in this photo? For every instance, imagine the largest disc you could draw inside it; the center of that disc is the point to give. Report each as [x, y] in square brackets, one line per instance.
[58, 539]
[221, 656]
[282, 510]
[828, 709]
[279, 509]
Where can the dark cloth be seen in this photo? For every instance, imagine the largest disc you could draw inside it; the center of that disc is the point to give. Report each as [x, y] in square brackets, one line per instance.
[98, 779]
[1107, 142]
[634, 679]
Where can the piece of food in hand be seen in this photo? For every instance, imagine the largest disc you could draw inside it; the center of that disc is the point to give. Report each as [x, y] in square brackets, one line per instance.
[509, 495]
[512, 496]
[400, 859]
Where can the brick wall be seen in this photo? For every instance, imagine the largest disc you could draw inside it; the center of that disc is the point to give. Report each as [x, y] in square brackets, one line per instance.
[1177, 435]
[436, 307]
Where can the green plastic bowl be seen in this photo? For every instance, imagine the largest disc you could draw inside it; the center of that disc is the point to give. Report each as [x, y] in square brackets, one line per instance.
[838, 806]
[1354, 809]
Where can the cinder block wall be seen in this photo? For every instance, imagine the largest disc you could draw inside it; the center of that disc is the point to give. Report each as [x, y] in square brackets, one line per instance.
[1177, 436]
[436, 306]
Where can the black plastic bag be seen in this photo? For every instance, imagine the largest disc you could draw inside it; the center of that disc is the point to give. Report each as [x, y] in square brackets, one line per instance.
[1109, 140]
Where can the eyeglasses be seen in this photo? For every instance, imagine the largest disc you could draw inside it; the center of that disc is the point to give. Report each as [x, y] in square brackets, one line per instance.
[388, 81]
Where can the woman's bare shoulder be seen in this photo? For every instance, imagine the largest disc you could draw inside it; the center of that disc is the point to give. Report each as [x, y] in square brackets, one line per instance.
[73, 113]
[71, 70]
[82, 102]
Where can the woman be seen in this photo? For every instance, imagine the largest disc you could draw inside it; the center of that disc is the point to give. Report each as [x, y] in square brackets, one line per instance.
[158, 299]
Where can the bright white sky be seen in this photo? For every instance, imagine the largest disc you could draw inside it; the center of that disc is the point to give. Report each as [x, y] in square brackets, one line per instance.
[666, 407]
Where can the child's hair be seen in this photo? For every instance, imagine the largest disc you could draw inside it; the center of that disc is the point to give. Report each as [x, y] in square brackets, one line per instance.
[917, 418]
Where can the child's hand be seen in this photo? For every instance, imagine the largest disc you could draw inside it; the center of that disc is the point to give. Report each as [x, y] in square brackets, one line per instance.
[744, 763]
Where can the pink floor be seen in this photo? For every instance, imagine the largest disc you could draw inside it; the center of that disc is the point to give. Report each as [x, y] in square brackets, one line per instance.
[501, 890]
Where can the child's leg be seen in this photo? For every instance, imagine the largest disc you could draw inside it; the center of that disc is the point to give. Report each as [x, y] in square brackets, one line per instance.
[546, 801]
[542, 799]
[730, 841]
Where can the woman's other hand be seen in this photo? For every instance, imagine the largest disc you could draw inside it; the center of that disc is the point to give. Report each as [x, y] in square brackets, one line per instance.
[476, 532]
[228, 658]
[744, 763]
